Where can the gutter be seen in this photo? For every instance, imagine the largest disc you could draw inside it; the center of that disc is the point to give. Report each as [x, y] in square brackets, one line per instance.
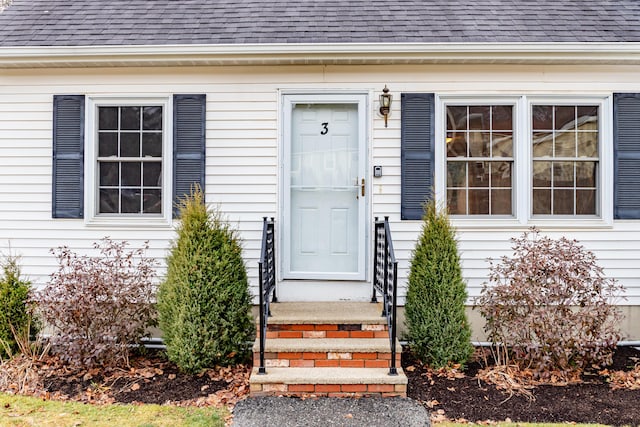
[320, 53]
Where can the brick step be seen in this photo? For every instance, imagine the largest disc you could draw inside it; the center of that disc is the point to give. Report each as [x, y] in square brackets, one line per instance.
[350, 330]
[329, 382]
[336, 352]
[326, 320]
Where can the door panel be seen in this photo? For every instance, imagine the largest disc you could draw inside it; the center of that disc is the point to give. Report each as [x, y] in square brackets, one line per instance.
[324, 208]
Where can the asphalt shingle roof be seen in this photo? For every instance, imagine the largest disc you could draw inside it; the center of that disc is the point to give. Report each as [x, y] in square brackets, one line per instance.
[163, 22]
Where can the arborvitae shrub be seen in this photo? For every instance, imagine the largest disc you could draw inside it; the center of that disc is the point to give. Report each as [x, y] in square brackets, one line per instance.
[438, 330]
[15, 315]
[549, 306]
[97, 306]
[204, 305]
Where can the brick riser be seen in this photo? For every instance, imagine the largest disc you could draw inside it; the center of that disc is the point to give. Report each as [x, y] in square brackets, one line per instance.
[331, 390]
[326, 331]
[326, 360]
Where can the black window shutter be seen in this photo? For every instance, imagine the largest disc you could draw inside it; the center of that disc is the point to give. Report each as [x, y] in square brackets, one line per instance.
[417, 139]
[68, 156]
[626, 153]
[188, 145]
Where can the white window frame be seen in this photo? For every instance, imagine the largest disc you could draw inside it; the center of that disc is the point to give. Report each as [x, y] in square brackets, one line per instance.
[523, 162]
[92, 217]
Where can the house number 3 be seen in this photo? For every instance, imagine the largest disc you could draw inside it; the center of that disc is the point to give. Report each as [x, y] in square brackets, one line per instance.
[325, 128]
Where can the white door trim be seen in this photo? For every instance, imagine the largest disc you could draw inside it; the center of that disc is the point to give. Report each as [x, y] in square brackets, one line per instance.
[288, 101]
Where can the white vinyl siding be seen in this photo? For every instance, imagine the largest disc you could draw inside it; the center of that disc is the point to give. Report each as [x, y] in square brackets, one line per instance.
[243, 160]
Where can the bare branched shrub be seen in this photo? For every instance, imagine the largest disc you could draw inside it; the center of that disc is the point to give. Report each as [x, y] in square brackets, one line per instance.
[549, 307]
[99, 305]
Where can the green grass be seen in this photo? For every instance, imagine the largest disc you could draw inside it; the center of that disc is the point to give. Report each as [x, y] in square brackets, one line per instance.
[20, 411]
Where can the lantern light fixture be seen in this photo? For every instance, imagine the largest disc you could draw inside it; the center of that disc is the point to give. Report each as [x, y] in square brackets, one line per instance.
[385, 103]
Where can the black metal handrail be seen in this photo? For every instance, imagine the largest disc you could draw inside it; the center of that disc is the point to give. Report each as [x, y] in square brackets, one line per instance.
[385, 282]
[267, 279]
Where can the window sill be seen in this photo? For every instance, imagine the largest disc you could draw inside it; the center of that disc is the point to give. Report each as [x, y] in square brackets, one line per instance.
[485, 223]
[129, 222]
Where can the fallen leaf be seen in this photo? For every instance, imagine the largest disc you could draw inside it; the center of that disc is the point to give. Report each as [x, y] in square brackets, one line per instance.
[349, 416]
[135, 387]
[172, 376]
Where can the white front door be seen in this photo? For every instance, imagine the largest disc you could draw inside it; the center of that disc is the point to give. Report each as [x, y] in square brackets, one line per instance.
[325, 193]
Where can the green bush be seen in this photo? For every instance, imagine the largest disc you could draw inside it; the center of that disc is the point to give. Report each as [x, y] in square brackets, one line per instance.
[204, 305]
[14, 310]
[438, 329]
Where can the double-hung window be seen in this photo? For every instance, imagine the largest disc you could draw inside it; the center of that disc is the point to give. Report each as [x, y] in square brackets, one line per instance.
[565, 150]
[129, 162]
[479, 153]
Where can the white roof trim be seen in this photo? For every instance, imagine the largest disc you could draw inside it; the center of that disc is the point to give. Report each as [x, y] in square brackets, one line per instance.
[345, 53]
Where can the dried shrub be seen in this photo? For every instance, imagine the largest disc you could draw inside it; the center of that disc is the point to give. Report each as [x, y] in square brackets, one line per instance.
[99, 305]
[549, 307]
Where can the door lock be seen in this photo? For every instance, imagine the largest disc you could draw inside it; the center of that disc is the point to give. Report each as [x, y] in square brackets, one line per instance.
[362, 187]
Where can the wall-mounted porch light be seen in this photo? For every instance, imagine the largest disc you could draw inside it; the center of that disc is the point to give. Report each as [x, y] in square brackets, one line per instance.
[385, 103]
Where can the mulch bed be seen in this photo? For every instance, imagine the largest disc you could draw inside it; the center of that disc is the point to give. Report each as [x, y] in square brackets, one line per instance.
[453, 395]
[465, 397]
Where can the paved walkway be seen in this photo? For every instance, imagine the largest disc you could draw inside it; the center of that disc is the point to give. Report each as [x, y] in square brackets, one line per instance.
[329, 412]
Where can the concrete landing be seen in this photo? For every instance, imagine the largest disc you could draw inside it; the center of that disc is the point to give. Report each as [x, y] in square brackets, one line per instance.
[326, 312]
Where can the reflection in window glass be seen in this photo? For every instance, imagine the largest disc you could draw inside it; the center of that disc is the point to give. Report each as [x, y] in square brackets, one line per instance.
[130, 159]
[565, 159]
[479, 146]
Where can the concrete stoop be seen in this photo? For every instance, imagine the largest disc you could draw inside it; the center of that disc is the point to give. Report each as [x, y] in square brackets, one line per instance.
[334, 349]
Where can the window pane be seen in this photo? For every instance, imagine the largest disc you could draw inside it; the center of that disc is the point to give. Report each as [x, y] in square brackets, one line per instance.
[152, 144]
[586, 202]
[478, 202]
[479, 144]
[502, 117]
[542, 174]
[130, 118]
[565, 117]
[457, 146]
[541, 202]
[587, 113]
[586, 174]
[588, 144]
[107, 144]
[456, 174]
[109, 201]
[542, 117]
[152, 174]
[131, 200]
[565, 145]
[152, 201]
[543, 144]
[563, 202]
[479, 117]
[456, 117]
[152, 118]
[129, 144]
[501, 174]
[108, 118]
[109, 174]
[131, 174]
[457, 202]
[563, 174]
[501, 202]
[502, 144]
[479, 174]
